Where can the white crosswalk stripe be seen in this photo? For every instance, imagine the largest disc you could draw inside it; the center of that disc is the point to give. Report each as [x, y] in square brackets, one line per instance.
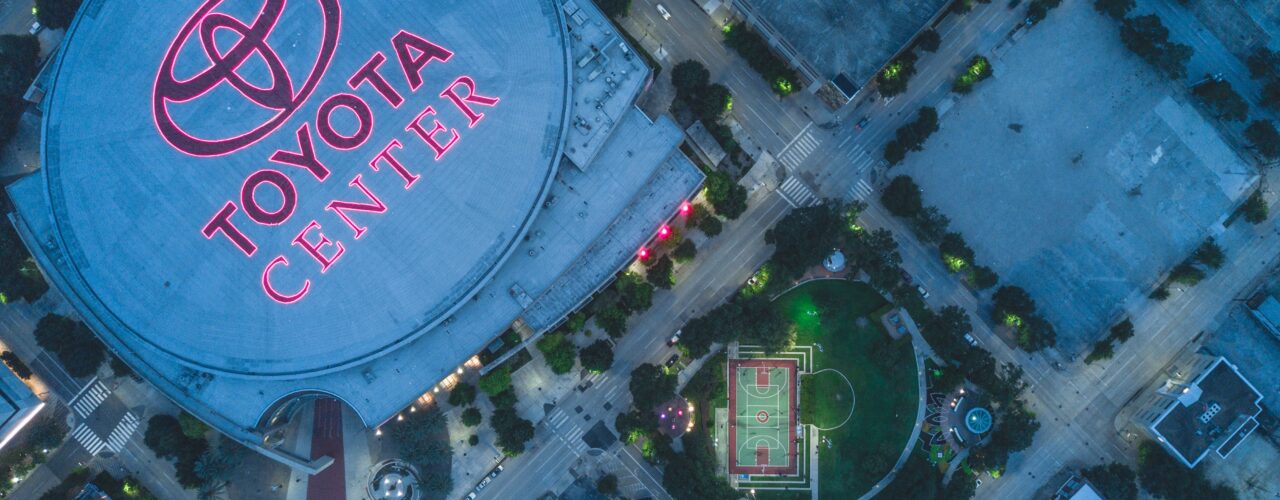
[558, 417]
[120, 435]
[799, 149]
[88, 400]
[797, 193]
[860, 191]
[86, 437]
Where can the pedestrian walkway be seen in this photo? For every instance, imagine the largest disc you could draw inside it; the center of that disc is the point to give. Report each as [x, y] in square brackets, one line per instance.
[566, 429]
[860, 191]
[120, 435]
[799, 149]
[797, 193]
[90, 398]
[87, 438]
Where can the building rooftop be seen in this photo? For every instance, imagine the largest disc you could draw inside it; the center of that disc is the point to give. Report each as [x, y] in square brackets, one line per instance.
[17, 405]
[837, 37]
[496, 229]
[606, 74]
[1215, 412]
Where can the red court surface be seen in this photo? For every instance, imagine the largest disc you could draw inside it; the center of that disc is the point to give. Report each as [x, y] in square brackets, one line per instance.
[326, 439]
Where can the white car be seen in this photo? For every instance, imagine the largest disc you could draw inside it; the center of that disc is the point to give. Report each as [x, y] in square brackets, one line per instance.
[972, 341]
[36, 27]
[923, 293]
[663, 10]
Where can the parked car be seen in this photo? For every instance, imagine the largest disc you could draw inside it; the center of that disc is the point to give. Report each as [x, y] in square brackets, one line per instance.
[972, 341]
[663, 10]
[495, 472]
[861, 123]
[674, 338]
[906, 276]
[36, 27]
[672, 360]
[923, 293]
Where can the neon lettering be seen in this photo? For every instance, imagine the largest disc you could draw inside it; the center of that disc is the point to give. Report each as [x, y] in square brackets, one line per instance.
[472, 97]
[385, 155]
[221, 223]
[313, 248]
[288, 195]
[374, 205]
[305, 157]
[416, 53]
[369, 74]
[332, 137]
[271, 290]
[430, 137]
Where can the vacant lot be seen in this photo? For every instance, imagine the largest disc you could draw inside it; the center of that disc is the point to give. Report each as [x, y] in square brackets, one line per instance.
[1076, 174]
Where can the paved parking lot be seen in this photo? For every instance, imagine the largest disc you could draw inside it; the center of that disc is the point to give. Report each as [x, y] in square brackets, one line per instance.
[1080, 183]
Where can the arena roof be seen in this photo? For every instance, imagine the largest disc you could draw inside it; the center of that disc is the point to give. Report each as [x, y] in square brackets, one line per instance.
[264, 189]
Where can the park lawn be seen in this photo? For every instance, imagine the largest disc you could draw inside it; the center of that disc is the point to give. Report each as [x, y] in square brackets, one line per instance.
[883, 374]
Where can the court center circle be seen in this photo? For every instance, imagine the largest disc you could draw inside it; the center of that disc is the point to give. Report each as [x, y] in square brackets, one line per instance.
[762, 416]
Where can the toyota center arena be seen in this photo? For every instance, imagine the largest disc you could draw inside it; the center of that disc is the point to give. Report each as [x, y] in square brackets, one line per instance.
[257, 203]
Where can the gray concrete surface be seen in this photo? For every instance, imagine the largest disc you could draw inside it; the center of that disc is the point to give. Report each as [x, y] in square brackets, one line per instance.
[1110, 182]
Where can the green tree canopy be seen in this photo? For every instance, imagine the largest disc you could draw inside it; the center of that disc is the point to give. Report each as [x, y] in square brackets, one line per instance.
[893, 79]
[711, 225]
[1263, 63]
[192, 427]
[462, 394]
[651, 386]
[929, 40]
[902, 197]
[513, 431]
[1115, 481]
[614, 8]
[685, 251]
[1117, 9]
[876, 253]
[689, 77]
[1165, 477]
[727, 197]
[1011, 300]
[597, 357]
[75, 346]
[496, 381]
[471, 417]
[56, 14]
[806, 236]
[1223, 100]
[1210, 254]
[1262, 134]
[422, 439]
[660, 274]
[559, 352]
[1147, 37]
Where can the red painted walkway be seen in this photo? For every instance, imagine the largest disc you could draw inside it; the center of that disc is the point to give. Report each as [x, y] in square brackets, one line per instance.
[326, 439]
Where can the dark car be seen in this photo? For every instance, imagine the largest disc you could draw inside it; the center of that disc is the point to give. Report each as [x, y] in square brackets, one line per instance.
[672, 360]
[861, 123]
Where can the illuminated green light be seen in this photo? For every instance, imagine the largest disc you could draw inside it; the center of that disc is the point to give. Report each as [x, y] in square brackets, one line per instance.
[783, 86]
[726, 29]
[955, 264]
[1012, 320]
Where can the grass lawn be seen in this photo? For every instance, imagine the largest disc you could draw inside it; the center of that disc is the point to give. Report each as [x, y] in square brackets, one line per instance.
[881, 371]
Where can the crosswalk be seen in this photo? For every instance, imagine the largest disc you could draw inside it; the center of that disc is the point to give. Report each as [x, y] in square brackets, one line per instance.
[562, 424]
[89, 398]
[89, 439]
[120, 435]
[859, 191]
[796, 193]
[800, 148]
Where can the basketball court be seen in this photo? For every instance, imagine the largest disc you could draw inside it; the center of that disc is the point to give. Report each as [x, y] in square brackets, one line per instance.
[762, 409]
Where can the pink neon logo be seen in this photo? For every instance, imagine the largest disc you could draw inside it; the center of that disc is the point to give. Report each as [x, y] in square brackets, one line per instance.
[280, 97]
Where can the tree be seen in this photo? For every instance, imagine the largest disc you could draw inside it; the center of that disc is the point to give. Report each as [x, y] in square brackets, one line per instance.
[1165, 477]
[876, 253]
[75, 346]
[597, 357]
[962, 487]
[1036, 333]
[651, 386]
[559, 352]
[761, 325]
[634, 294]
[607, 484]
[711, 225]
[496, 381]
[56, 14]
[164, 436]
[893, 79]
[712, 102]
[1117, 9]
[462, 394]
[19, 63]
[902, 197]
[613, 321]
[930, 225]
[218, 465]
[979, 69]
[1271, 95]
[1115, 481]
[1122, 331]
[471, 417]
[15, 363]
[513, 431]
[1102, 350]
[945, 332]
[1186, 273]
[983, 277]
[1210, 254]
[1222, 100]
[192, 427]
[918, 480]
[955, 251]
[1147, 37]
[685, 252]
[1263, 63]
[660, 274]
[1011, 301]
[614, 8]
[929, 40]
[689, 78]
[1039, 9]
[726, 196]
[422, 439]
[692, 475]
[1262, 134]
[911, 136]
[806, 236]
[1255, 208]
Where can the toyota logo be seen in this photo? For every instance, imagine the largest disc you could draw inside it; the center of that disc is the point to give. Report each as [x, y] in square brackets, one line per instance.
[280, 97]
